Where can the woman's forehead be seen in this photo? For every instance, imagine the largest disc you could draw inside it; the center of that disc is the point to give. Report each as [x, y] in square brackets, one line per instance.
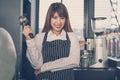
[58, 14]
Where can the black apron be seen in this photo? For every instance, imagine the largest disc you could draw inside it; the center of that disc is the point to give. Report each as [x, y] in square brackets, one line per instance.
[54, 50]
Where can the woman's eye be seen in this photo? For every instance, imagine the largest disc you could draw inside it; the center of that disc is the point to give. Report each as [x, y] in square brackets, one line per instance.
[54, 17]
[62, 18]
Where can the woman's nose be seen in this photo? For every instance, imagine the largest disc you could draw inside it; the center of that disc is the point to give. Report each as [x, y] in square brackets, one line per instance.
[59, 20]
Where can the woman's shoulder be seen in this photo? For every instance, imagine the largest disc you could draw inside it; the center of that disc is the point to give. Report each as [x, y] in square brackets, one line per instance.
[39, 38]
[40, 35]
[72, 34]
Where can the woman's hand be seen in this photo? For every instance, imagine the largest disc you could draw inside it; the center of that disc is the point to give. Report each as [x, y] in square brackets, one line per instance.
[37, 71]
[26, 31]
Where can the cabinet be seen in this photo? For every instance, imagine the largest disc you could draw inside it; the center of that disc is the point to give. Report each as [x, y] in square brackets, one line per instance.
[118, 73]
[95, 74]
[115, 63]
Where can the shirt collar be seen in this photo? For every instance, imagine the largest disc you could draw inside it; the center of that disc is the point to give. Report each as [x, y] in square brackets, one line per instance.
[63, 33]
[52, 36]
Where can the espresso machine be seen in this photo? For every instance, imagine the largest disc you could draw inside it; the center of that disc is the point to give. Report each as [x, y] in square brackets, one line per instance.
[100, 56]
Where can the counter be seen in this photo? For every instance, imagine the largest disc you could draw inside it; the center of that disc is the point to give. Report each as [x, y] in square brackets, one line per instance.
[95, 74]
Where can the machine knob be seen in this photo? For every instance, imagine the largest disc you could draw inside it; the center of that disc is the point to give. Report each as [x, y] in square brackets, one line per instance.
[100, 60]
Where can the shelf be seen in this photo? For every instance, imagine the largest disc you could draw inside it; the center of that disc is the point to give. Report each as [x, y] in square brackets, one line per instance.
[114, 59]
[118, 67]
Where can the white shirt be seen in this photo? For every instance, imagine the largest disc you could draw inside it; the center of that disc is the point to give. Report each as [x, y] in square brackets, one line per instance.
[34, 52]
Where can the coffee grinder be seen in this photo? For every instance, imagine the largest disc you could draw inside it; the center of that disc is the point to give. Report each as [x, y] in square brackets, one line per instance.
[100, 56]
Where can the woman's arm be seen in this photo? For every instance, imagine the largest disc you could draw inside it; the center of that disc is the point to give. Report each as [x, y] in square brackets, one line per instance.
[67, 62]
[34, 54]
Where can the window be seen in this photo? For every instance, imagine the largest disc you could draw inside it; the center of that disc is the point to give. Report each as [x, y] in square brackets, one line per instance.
[103, 8]
[76, 13]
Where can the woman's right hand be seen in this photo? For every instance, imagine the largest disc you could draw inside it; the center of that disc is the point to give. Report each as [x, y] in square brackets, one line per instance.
[26, 31]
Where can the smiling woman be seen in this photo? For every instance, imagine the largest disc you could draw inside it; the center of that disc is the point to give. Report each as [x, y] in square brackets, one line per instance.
[52, 52]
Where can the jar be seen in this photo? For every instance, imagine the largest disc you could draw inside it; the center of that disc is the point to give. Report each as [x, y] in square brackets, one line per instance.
[85, 60]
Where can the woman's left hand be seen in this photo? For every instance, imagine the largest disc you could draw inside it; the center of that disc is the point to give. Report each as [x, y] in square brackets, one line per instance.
[37, 71]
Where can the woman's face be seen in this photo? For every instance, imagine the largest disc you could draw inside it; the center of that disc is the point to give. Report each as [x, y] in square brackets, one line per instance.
[57, 23]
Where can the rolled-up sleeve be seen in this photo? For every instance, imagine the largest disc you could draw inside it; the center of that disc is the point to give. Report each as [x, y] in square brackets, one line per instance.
[34, 53]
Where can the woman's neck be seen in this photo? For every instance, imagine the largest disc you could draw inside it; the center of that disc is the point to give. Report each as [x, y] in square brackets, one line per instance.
[57, 32]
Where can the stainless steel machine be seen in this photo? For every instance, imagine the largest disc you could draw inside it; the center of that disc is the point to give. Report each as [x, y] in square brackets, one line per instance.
[95, 54]
[100, 54]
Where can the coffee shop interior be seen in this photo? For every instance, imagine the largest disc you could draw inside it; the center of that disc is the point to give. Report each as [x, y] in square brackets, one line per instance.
[95, 22]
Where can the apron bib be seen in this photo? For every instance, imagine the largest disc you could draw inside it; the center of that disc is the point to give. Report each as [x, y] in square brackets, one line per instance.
[52, 51]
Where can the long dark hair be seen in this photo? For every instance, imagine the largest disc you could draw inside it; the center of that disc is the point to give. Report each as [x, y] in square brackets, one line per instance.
[62, 12]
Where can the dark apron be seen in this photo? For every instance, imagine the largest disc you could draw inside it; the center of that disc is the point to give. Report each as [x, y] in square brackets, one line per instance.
[54, 50]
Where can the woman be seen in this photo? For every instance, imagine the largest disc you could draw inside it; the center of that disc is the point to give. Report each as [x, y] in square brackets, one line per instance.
[54, 52]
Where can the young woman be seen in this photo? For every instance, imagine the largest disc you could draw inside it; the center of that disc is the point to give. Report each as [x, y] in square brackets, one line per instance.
[56, 51]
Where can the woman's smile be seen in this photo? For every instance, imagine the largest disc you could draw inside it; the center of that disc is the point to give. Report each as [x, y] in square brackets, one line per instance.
[57, 23]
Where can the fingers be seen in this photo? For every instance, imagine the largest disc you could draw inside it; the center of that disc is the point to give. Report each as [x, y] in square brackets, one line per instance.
[27, 26]
[27, 30]
[37, 71]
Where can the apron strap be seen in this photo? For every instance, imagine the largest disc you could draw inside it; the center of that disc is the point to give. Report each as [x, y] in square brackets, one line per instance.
[45, 37]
